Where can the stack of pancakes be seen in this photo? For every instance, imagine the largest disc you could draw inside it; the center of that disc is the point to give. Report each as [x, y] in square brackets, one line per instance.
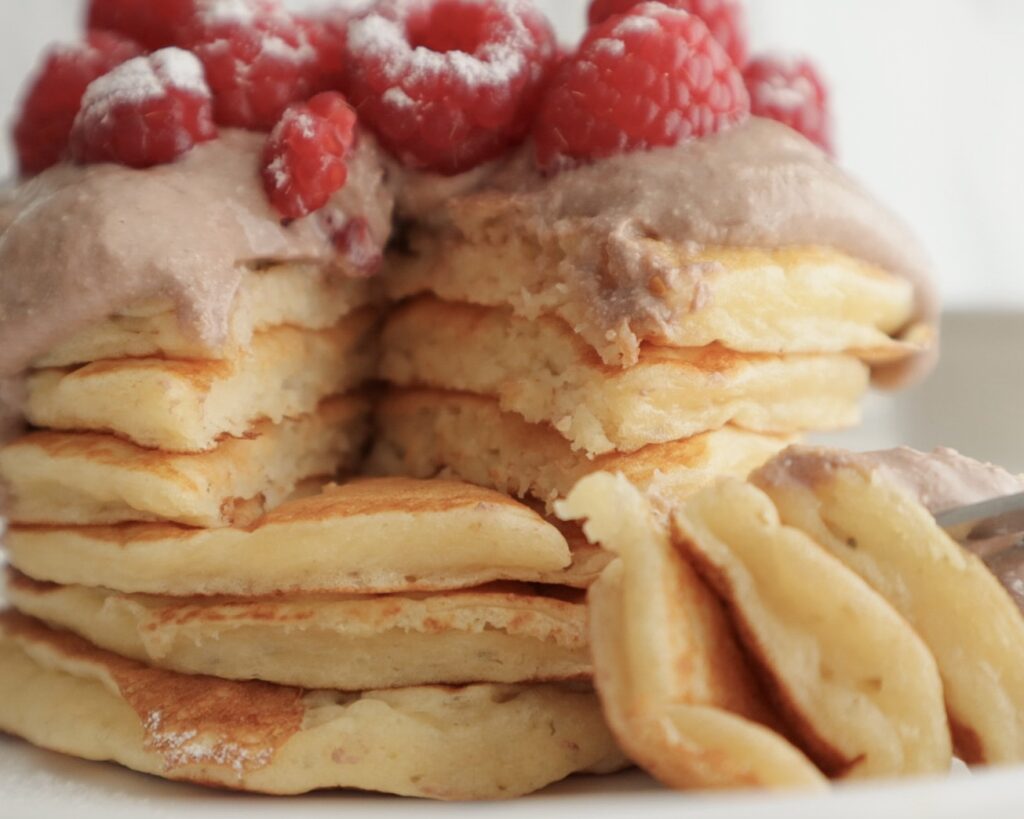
[509, 368]
[196, 598]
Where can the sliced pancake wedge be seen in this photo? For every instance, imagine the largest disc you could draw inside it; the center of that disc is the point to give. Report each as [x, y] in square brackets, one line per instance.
[365, 537]
[676, 690]
[90, 478]
[854, 682]
[790, 300]
[869, 512]
[188, 406]
[422, 433]
[544, 371]
[500, 634]
[474, 742]
[271, 295]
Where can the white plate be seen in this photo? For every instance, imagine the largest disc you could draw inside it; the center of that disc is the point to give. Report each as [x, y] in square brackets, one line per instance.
[973, 403]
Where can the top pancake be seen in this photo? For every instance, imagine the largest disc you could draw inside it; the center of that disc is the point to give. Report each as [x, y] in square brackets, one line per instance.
[790, 300]
[543, 371]
[300, 295]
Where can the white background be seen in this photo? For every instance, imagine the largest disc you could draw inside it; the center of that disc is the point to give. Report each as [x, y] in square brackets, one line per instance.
[929, 98]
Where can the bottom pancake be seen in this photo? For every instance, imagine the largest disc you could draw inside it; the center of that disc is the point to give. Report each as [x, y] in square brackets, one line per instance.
[508, 633]
[476, 742]
[422, 433]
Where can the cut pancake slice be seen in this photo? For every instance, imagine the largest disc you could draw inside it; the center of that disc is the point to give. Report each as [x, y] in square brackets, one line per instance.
[188, 406]
[422, 433]
[878, 528]
[855, 683]
[299, 295]
[475, 742]
[676, 690]
[89, 478]
[499, 634]
[368, 536]
[545, 372]
[791, 300]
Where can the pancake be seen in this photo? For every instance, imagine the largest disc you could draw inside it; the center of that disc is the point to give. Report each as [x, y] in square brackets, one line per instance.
[365, 537]
[790, 300]
[422, 433]
[675, 688]
[476, 742]
[878, 528]
[499, 634]
[855, 683]
[91, 478]
[188, 406]
[545, 372]
[299, 295]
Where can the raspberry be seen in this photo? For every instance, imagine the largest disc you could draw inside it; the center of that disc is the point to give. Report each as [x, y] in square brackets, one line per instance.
[258, 60]
[654, 77]
[725, 18]
[304, 158]
[48, 112]
[792, 92]
[326, 33]
[153, 23]
[148, 111]
[449, 84]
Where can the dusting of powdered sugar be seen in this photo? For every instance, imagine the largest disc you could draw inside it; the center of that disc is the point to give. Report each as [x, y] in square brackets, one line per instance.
[183, 748]
[382, 35]
[636, 24]
[784, 94]
[145, 78]
[606, 45]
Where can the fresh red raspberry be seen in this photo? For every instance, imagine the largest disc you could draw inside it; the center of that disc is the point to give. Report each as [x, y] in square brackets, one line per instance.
[792, 92]
[304, 161]
[449, 84]
[55, 95]
[654, 77]
[147, 111]
[327, 33]
[153, 23]
[726, 19]
[258, 60]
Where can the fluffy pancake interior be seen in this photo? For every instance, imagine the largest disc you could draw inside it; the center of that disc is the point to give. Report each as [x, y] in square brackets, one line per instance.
[60, 478]
[367, 536]
[298, 295]
[675, 689]
[422, 433]
[959, 608]
[856, 683]
[189, 405]
[476, 742]
[803, 299]
[543, 371]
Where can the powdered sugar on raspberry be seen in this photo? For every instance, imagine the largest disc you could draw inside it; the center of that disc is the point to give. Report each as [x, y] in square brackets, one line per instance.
[494, 65]
[780, 93]
[145, 78]
[635, 24]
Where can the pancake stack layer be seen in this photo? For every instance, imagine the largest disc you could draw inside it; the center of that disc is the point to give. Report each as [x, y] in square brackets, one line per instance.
[504, 370]
[207, 606]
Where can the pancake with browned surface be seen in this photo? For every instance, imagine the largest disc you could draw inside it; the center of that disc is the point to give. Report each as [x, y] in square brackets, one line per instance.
[869, 511]
[299, 295]
[424, 432]
[855, 683]
[365, 537]
[188, 406]
[477, 742]
[501, 634]
[89, 478]
[676, 690]
[546, 373]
